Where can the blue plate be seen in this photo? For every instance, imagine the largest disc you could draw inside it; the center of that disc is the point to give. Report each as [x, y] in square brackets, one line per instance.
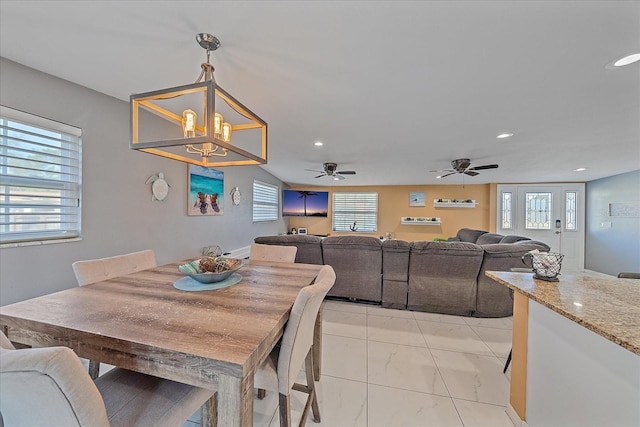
[190, 285]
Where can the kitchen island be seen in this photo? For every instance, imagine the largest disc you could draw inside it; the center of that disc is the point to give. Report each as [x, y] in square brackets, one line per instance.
[576, 350]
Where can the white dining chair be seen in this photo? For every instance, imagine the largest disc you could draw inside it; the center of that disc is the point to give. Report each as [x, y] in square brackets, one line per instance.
[96, 270]
[49, 386]
[279, 370]
[275, 253]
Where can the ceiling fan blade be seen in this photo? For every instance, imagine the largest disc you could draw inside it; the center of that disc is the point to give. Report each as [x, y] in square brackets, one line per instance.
[320, 176]
[479, 168]
[314, 170]
[450, 173]
[347, 172]
[471, 173]
[444, 170]
[339, 177]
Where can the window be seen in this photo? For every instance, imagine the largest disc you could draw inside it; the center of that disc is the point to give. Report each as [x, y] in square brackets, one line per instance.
[265, 202]
[41, 175]
[538, 211]
[355, 212]
[506, 210]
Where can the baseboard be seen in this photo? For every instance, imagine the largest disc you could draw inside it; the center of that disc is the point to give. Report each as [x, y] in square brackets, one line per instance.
[515, 418]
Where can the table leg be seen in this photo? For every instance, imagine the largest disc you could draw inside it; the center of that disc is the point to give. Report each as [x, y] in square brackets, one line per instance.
[235, 401]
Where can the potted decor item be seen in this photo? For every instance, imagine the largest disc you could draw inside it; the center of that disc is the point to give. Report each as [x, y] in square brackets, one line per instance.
[545, 265]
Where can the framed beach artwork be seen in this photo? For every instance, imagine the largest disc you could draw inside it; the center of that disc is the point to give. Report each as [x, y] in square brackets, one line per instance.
[416, 198]
[206, 191]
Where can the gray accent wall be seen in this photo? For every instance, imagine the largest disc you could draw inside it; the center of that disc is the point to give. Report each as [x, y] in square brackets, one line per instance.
[118, 215]
[612, 242]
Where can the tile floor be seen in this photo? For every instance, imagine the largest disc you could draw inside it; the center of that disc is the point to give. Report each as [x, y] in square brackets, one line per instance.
[397, 368]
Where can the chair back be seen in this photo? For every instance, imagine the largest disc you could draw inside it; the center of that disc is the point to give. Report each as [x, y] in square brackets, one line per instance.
[41, 386]
[275, 253]
[97, 270]
[298, 334]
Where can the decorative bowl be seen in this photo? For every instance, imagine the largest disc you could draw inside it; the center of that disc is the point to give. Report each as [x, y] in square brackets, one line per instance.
[210, 277]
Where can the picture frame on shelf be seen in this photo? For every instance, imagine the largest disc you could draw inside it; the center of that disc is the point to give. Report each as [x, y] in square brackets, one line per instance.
[302, 231]
[417, 198]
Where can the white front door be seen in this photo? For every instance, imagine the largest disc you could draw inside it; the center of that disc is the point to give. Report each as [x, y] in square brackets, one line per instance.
[551, 213]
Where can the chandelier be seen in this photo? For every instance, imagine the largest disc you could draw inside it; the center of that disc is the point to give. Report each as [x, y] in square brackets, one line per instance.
[198, 123]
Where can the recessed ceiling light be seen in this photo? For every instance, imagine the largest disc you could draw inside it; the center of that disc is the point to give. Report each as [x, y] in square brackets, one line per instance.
[504, 135]
[625, 60]
[580, 169]
[318, 144]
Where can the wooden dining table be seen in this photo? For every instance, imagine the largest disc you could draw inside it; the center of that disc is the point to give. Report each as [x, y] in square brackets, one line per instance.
[213, 339]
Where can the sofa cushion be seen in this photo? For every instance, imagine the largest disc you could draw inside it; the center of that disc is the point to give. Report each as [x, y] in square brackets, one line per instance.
[442, 277]
[357, 261]
[488, 238]
[494, 299]
[395, 260]
[395, 273]
[541, 246]
[468, 235]
[309, 247]
[512, 238]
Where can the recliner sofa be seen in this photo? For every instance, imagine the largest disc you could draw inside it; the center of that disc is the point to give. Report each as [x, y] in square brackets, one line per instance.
[439, 277]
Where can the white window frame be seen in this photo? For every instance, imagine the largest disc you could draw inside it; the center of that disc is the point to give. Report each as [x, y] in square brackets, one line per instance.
[360, 207]
[266, 201]
[24, 182]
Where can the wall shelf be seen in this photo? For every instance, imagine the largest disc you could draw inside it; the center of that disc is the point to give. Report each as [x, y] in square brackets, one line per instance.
[446, 203]
[419, 220]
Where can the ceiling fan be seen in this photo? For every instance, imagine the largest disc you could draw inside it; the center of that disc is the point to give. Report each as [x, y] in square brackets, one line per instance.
[462, 166]
[330, 169]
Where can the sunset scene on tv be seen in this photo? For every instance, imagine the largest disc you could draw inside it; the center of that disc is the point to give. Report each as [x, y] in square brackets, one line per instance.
[305, 203]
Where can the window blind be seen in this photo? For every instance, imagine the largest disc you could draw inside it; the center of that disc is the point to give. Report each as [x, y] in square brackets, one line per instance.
[266, 201]
[355, 211]
[40, 175]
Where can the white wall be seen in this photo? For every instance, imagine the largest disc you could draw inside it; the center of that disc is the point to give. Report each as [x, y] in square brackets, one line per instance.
[612, 243]
[118, 215]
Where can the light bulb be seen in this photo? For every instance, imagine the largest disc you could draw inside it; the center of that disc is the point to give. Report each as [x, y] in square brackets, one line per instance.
[226, 132]
[218, 120]
[189, 120]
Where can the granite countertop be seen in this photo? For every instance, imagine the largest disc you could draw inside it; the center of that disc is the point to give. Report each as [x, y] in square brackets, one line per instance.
[606, 305]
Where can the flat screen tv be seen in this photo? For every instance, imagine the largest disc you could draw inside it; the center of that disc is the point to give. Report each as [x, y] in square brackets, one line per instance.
[305, 203]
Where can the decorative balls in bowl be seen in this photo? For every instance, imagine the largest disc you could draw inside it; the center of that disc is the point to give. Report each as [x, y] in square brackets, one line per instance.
[211, 269]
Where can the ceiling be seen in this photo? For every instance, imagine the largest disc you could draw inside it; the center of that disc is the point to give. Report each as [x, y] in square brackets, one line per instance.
[393, 89]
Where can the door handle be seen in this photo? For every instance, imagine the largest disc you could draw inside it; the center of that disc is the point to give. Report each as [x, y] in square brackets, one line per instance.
[558, 232]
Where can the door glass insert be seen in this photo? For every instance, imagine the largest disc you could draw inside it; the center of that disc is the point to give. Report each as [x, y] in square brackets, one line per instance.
[507, 222]
[538, 211]
[570, 211]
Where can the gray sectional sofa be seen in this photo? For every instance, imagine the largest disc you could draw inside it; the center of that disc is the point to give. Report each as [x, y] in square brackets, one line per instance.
[439, 277]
